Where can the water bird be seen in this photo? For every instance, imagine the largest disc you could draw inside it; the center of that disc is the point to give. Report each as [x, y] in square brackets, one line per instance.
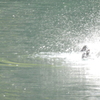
[86, 51]
[84, 48]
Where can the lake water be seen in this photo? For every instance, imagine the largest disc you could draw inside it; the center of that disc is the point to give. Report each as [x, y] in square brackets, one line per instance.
[40, 43]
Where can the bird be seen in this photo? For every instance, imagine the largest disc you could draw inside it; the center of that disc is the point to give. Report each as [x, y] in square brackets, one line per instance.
[84, 48]
[86, 51]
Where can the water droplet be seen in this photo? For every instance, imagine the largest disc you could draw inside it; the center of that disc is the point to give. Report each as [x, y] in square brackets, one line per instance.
[24, 88]
[4, 95]
[12, 84]
[13, 15]
[17, 65]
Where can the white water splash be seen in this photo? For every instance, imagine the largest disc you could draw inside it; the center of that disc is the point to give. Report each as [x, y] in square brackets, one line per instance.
[74, 59]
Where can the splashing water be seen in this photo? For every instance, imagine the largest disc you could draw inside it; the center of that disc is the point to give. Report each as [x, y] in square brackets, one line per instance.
[74, 58]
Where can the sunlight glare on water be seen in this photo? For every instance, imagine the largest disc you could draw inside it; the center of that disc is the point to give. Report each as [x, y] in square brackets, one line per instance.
[41, 42]
[74, 57]
[93, 63]
[94, 67]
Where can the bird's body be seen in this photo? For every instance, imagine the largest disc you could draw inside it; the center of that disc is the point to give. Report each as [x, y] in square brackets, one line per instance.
[85, 51]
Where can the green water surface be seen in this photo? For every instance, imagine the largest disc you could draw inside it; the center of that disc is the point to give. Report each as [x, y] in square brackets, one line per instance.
[29, 27]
